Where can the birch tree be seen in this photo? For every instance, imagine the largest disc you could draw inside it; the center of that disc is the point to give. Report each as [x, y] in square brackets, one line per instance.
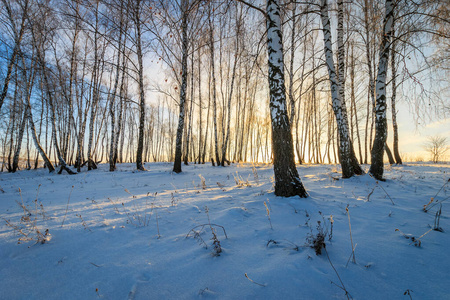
[137, 20]
[18, 33]
[29, 115]
[112, 112]
[397, 157]
[287, 180]
[183, 89]
[349, 163]
[377, 165]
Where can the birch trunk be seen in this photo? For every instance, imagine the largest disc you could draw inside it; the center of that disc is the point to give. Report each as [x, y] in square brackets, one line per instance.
[291, 67]
[355, 113]
[15, 164]
[119, 130]
[191, 114]
[200, 140]
[179, 138]
[377, 165]
[213, 74]
[27, 89]
[230, 95]
[341, 75]
[389, 154]
[62, 162]
[287, 180]
[140, 147]
[95, 96]
[38, 146]
[348, 160]
[46, 86]
[397, 157]
[17, 41]
[370, 92]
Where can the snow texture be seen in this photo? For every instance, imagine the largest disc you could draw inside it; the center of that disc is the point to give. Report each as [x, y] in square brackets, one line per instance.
[110, 253]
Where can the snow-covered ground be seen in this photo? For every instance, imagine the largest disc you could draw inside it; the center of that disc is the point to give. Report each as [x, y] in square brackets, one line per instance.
[139, 235]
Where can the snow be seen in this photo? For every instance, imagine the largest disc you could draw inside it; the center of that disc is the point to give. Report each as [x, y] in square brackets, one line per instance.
[110, 258]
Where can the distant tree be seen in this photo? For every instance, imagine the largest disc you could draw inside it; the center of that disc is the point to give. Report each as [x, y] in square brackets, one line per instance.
[436, 146]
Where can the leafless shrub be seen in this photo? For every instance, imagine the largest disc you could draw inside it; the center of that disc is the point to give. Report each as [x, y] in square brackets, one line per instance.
[255, 174]
[203, 182]
[268, 215]
[83, 222]
[197, 231]
[317, 240]
[240, 182]
[27, 228]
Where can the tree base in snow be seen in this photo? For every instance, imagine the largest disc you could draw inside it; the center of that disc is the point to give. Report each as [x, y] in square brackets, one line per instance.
[290, 188]
[65, 168]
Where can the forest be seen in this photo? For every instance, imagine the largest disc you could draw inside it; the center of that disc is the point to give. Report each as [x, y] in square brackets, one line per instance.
[85, 82]
[223, 149]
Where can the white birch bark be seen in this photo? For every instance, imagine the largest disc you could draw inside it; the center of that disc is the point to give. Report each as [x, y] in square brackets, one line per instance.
[18, 36]
[179, 136]
[377, 165]
[397, 157]
[36, 139]
[95, 95]
[287, 180]
[213, 84]
[140, 147]
[230, 95]
[337, 91]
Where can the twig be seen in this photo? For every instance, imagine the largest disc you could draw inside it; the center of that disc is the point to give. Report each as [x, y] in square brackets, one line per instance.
[114, 205]
[95, 265]
[339, 277]
[351, 256]
[100, 210]
[408, 292]
[254, 281]
[426, 208]
[210, 224]
[268, 214]
[416, 241]
[351, 238]
[442, 188]
[83, 222]
[370, 194]
[157, 224]
[424, 234]
[376, 181]
[386, 194]
[295, 210]
[437, 219]
[67, 207]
